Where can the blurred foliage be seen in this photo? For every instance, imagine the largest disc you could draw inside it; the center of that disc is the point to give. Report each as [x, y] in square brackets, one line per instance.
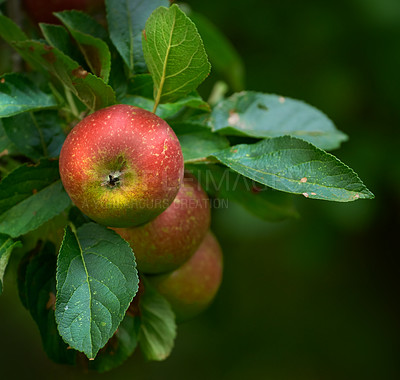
[314, 298]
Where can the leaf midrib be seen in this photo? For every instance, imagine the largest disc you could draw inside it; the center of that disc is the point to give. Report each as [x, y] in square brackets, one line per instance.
[164, 71]
[230, 162]
[290, 179]
[90, 292]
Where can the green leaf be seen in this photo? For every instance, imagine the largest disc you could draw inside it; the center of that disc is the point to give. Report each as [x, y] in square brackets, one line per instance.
[197, 122]
[21, 275]
[12, 34]
[5, 142]
[198, 142]
[262, 115]
[96, 281]
[167, 110]
[118, 80]
[223, 56]
[30, 196]
[140, 92]
[158, 328]
[83, 23]
[6, 247]
[40, 297]
[264, 202]
[141, 85]
[295, 166]
[10, 31]
[91, 90]
[52, 231]
[174, 54]
[77, 217]
[120, 347]
[36, 134]
[84, 30]
[58, 37]
[18, 94]
[126, 20]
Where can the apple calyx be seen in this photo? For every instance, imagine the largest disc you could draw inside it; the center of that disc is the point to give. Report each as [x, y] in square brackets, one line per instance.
[113, 179]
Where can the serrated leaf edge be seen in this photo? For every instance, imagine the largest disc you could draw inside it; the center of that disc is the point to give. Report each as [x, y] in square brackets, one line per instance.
[365, 193]
[74, 232]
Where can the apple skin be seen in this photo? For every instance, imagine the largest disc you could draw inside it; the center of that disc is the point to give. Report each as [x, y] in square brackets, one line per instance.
[122, 166]
[42, 10]
[166, 242]
[191, 288]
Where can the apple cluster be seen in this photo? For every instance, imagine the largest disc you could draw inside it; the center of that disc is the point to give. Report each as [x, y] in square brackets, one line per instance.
[123, 167]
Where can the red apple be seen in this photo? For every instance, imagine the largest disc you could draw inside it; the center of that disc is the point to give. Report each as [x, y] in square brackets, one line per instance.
[192, 287]
[42, 10]
[122, 166]
[169, 240]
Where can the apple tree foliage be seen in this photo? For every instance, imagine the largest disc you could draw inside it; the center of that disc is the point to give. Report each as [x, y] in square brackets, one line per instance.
[77, 278]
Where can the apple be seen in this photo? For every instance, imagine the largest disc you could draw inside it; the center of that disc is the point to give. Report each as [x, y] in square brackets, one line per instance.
[191, 288]
[42, 10]
[122, 166]
[169, 240]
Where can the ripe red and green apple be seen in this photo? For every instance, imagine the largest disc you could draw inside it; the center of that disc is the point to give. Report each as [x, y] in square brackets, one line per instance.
[122, 166]
[170, 239]
[191, 288]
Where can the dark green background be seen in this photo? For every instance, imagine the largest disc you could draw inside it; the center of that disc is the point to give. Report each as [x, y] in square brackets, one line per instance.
[314, 298]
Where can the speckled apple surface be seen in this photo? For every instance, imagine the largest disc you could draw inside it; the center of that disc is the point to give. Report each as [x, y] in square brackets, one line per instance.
[170, 239]
[192, 287]
[122, 166]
